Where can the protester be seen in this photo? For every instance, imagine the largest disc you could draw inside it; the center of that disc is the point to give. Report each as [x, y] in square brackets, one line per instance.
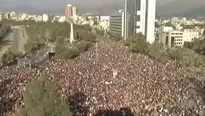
[108, 76]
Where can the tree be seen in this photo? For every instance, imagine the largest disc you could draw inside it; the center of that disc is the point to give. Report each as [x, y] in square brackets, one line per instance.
[8, 57]
[176, 54]
[138, 44]
[189, 45]
[67, 52]
[83, 46]
[59, 45]
[169, 24]
[158, 52]
[199, 61]
[42, 99]
[199, 46]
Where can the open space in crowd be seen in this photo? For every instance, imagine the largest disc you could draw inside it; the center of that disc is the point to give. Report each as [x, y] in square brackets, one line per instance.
[108, 80]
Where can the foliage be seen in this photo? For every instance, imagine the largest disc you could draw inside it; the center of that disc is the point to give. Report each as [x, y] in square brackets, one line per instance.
[158, 52]
[157, 25]
[65, 52]
[197, 45]
[189, 45]
[32, 45]
[10, 57]
[83, 46]
[42, 99]
[114, 36]
[4, 30]
[43, 32]
[138, 44]
[188, 57]
[176, 54]
[169, 24]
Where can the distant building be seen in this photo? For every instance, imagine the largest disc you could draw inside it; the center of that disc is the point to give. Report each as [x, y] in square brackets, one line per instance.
[104, 22]
[175, 19]
[1, 16]
[70, 11]
[190, 34]
[7, 15]
[176, 38]
[104, 18]
[45, 17]
[12, 14]
[74, 11]
[62, 19]
[184, 19]
[140, 18]
[117, 23]
[173, 39]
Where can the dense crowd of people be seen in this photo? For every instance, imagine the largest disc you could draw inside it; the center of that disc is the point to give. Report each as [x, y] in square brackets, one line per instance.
[109, 77]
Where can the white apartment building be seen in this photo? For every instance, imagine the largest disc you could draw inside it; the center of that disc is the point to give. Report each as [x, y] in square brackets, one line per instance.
[140, 18]
[45, 17]
[1, 16]
[189, 35]
[74, 10]
[104, 22]
[62, 19]
[175, 38]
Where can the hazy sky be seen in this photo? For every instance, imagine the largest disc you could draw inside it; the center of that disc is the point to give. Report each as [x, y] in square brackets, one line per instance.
[52, 3]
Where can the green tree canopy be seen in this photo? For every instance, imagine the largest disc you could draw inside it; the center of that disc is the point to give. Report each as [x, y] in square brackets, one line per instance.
[42, 99]
[138, 44]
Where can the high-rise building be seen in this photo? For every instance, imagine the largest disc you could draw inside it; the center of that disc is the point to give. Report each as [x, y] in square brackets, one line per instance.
[117, 23]
[70, 11]
[140, 18]
[74, 10]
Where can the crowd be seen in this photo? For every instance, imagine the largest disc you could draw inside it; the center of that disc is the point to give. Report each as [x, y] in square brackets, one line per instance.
[109, 77]
[38, 55]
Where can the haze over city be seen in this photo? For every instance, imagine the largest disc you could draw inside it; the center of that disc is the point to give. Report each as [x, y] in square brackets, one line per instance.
[189, 8]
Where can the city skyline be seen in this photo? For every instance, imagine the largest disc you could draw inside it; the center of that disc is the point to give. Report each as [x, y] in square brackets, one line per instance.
[165, 8]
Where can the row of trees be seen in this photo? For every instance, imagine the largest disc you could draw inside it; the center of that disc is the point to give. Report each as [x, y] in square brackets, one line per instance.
[58, 34]
[40, 33]
[10, 57]
[4, 30]
[190, 55]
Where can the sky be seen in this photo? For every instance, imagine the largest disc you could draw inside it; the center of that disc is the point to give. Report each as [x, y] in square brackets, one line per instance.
[44, 4]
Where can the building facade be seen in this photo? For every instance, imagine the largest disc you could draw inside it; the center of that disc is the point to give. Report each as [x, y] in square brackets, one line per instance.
[70, 11]
[45, 17]
[176, 38]
[74, 10]
[140, 18]
[117, 23]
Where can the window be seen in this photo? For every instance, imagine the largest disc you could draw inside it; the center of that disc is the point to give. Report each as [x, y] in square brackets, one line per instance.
[138, 17]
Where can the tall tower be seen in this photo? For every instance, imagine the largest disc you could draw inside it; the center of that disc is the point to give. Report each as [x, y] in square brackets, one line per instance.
[68, 11]
[140, 18]
[71, 32]
[74, 10]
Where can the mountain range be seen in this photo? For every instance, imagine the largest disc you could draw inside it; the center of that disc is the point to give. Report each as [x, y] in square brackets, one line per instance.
[165, 8]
